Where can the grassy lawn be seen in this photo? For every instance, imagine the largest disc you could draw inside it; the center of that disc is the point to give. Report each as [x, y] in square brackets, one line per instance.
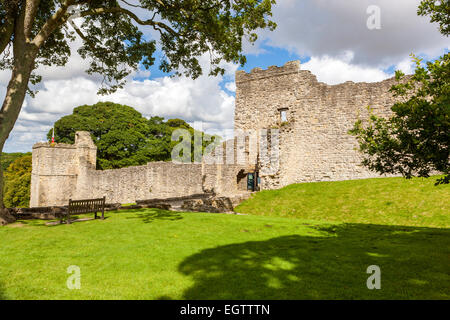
[157, 254]
[387, 201]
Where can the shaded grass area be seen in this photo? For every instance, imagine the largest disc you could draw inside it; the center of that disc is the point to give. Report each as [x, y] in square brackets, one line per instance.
[157, 254]
[390, 201]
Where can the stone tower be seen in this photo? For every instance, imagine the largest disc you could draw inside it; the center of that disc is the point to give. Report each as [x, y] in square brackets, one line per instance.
[311, 120]
[57, 171]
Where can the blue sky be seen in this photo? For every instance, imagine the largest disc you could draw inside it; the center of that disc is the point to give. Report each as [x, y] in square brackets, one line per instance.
[331, 38]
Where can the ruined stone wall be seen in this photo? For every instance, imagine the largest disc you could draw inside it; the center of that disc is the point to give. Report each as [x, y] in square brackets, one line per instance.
[314, 144]
[154, 180]
[54, 174]
[225, 169]
[62, 172]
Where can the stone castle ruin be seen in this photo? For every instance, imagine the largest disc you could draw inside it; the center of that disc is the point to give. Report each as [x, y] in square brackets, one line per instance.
[289, 128]
[64, 171]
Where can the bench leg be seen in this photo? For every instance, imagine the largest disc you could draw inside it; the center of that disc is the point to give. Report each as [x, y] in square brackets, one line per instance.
[103, 214]
[68, 219]
[95, 215]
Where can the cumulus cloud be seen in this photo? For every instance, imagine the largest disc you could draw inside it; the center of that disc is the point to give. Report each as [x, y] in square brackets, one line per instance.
[60, 96]
[337, 70]
[406, 66]
[332, 27]
[231, 86]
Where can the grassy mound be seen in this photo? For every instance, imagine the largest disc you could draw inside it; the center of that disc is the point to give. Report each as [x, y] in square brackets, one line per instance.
[389, 201]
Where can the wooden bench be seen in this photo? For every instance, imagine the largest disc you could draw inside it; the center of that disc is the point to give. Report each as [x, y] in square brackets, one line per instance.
[85, 206]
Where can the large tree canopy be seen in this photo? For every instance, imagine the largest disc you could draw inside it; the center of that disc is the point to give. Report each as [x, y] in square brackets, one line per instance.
[122, 135]
[37, 32]
[115, 45]
[415, 141]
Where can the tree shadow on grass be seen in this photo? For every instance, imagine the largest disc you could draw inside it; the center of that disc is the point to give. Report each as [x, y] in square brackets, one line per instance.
[79, 218]
[330, 264]
[2, 293]
[152, 214]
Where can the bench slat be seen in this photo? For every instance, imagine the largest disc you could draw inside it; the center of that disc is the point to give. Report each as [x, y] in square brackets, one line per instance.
[85, 206]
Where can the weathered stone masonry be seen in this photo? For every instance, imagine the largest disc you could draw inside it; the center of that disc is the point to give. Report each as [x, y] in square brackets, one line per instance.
[63, 171]
[314, 144]
[312, 119]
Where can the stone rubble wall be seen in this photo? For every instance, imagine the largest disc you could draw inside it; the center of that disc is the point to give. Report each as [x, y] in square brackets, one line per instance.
[154, 180]
[62, 172]
[314, 144]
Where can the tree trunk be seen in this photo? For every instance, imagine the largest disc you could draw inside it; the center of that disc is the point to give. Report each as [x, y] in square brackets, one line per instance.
[2, 205]
[12, 104]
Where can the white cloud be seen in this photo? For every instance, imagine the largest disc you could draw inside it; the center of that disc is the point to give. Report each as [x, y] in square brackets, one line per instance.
[406, 65]
[231, 86]
[332, 27]
[338, 70]
[61, 96]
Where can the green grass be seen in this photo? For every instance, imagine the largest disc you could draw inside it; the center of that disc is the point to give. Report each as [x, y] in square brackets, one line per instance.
[157, 254]
[390, 201]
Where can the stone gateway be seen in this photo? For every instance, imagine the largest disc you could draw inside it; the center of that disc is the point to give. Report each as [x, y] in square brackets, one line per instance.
[289, 128]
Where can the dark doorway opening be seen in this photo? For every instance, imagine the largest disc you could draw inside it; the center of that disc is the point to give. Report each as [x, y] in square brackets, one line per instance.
[252, 181]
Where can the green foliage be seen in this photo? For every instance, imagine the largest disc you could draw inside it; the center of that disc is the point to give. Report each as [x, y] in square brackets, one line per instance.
[439, 11]
[118, 131]
[17, 183]
[8, 158]
[178, 123]
[416, 139]
[122, 135]
[115, 46]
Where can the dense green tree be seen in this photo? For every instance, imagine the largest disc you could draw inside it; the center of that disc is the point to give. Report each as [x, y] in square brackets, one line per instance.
[178, 123]
[118, 131]
[203, 139]
[8, 158]
[415, 140]
[36, 32]
[158, 143]
[17, 182]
